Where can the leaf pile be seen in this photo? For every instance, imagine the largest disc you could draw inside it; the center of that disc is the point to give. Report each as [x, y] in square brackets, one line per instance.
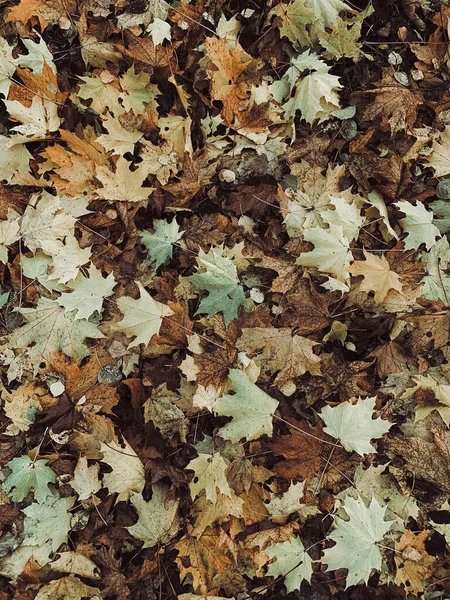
[224, 286]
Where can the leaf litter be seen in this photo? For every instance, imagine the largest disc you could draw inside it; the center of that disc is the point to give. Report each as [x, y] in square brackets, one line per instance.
[224, 295]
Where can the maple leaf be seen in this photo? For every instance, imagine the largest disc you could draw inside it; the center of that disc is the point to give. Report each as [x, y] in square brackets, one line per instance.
[50, 328]
[326, 12]
[138, 91]
[45, 223]
[88, 294]
[315, 94]
[127, 474]
[7, 67]
[353, 426]
[221, 281]
[291, 561]
[291, 355]
[159, 31]
[37, 120]
[123, 185]
[209, 474]
[67, 587]
[342, 41]
[14, 156]
[38, 55]
[26, 475]
[439, 158]
[294, 17]
[331, 252]
[357, 540]
[378, 276]
[204, 557]
[142, 317]
[418, 224]
[159, 244]
[48, 522]
[68, 260]
[85, 479]
[230, 64]
[281, 507]
[251, 408]
[21, 407]
[157, 521]
[436, 283]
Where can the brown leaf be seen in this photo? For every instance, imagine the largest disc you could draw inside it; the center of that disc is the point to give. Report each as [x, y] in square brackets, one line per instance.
[301, 453]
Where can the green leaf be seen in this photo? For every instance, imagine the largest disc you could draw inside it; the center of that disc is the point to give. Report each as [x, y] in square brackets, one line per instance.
[159, 244]
[49, 521]
[251, 408]
[220, 279]
[27, 475]
[292, 561]
[357, 540]
[52, 329]
[353, 426]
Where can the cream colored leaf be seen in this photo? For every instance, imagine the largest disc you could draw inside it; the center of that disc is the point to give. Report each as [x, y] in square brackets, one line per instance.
[158, 520]
[331, 252]
[127, 474]
[45, 224]
[7, 67]
[142, 317]
[209, 475]
[67, 587]
[159, 31]
[418, 224]
[281, 507]
[75, 563]
[86, 482]
[118, 140]
[68, 260]
[88, 294]
[378, 276]
[251, 408]
[37, 120]
[14, 156]
[439, 159]
[353, 425]
[123, 185]
[290, 355]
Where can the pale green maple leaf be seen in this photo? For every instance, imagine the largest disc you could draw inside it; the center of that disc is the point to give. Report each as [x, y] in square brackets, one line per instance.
[326, 12]
[68, 260]
[48, 522]
[101, 91]
[283, 506]
[346, 215]
[294, 17]
[315, 94]
[251, 408]
[209, 472]
[36, 268]
[220, 280]
[159, 244]
[123, 185]
[418, 224]
[138, 91]
[331, 252]
[342, 41]
[159, 31]
[37, 54]
[353, 425]
[142, 317]
[9, 233]
[357, 540]
[26, 475]
[436, 283]
[158, 521]
[7, 67]
[51, 329]
[441, 215]
[88, 294]
[291, 561]
[45, 224]
[14, 156]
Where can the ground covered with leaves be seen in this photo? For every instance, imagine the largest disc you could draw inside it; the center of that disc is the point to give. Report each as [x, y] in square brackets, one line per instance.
[225, 281]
